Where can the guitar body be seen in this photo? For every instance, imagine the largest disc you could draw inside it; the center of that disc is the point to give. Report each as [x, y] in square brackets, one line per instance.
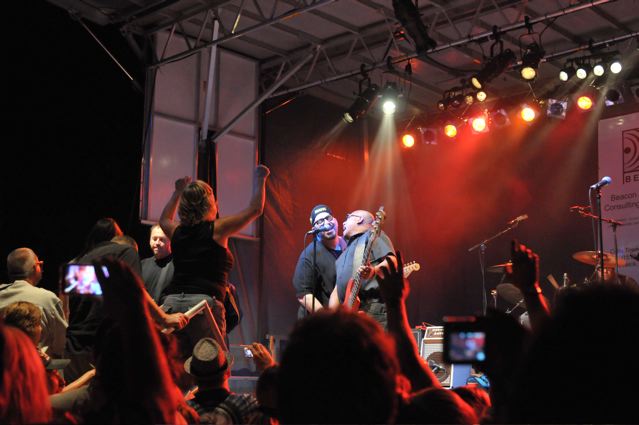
[349, 294]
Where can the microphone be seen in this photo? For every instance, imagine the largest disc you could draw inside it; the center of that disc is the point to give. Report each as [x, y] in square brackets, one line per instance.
[601, 183]
[518, 219]
[320, 229]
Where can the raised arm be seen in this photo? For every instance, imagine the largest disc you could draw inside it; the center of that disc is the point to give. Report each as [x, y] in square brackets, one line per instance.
[395, 289]
[167, 219]
[227, 226]
[525, 275]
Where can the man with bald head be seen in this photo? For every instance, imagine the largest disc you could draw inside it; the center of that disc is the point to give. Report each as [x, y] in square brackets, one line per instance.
[25, 272]
[357, 231]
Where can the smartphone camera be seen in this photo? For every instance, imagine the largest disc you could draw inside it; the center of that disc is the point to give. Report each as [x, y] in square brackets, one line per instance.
[81, 279]
[247, 352]
[465, 342]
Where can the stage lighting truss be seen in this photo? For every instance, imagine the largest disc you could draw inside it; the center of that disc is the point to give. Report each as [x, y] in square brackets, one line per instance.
[496, 65]
[557, 108]
[408, 15]
[365, 99]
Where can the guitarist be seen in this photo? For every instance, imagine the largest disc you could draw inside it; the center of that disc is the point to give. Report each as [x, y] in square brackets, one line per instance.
[314, 277]
[357, 229]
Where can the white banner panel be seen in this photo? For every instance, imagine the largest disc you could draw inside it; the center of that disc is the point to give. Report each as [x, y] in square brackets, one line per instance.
[172, 155]
[237, 158]
[619, 159]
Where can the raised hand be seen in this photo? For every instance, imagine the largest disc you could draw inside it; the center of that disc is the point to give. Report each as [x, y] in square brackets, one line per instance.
[392, 285]
[261, 356]
[525, 267]
[181, 184]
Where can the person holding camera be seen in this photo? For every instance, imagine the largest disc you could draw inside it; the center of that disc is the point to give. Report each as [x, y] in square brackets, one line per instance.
[201, 257]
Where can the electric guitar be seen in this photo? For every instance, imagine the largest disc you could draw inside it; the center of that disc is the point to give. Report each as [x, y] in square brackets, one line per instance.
[410, 267]
[351, 300]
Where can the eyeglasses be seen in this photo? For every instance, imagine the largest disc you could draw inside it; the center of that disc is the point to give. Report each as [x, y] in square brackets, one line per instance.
[324, 220]
[359, 217]
[39, 263]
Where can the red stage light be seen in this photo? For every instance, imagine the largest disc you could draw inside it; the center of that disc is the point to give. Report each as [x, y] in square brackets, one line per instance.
[450, 130]
[584, 102]
[408, 140]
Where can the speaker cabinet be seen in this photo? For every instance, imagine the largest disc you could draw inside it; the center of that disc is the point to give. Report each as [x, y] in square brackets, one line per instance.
[432, 351]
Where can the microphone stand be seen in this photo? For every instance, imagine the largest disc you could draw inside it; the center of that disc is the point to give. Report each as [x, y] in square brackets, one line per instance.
[600, 251]
[613, 223]
[482, 260]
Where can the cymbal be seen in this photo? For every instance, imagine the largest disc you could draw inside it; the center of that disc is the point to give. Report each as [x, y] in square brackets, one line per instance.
[592, 258]
[498, 268]
[510, 293]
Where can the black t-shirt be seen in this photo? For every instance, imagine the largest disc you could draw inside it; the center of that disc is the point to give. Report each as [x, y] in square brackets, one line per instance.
[322, 278]
[201, 265]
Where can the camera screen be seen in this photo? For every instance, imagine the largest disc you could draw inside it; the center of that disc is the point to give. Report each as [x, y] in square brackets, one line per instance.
[466, 347]
[81, 279]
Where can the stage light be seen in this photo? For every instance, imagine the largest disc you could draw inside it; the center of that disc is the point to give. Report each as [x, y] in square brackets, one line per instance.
[456, 101]
[598, 69]
[528, 113]
[469, 99]
[566, 73]
[450, 130]
[499, 118]
[409, 16]
[389, 107]
[583, 70]
[362, 104]
[613, 97]
[557, 108]
[481, 95]
[530, 61]
[390, 96]
[615, 67]
[408, 140]
[442, 104]
[495, 67]
[429, 135]
[584, 102]
[479, 124]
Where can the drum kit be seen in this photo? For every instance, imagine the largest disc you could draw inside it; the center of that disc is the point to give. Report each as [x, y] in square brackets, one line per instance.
[510, 294]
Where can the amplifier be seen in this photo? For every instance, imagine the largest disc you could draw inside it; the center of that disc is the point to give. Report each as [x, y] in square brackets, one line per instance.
[432, 351]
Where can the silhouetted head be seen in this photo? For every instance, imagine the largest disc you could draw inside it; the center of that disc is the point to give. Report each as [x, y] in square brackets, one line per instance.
[338, 367]
[103, 230]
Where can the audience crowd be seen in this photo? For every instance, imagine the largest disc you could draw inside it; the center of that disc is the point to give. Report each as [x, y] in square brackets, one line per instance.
[116, 358]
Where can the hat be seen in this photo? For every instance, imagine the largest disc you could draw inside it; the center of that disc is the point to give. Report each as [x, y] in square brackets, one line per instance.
[317, 210]
[208, 360]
